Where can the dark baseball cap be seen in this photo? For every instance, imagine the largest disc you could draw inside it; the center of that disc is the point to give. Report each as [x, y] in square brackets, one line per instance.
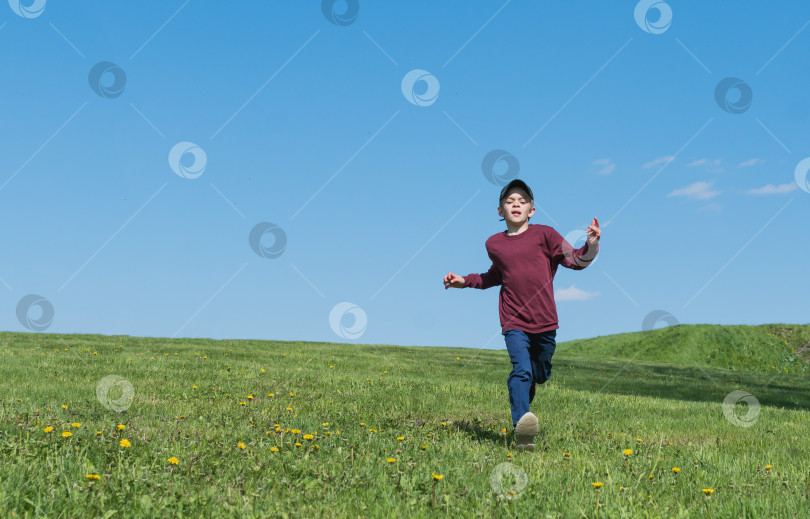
[516, 183]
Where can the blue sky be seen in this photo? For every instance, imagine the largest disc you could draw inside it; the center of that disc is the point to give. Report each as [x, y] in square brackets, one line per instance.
[302, 127]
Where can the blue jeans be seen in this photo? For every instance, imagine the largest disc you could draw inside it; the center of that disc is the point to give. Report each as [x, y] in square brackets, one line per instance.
[531, 364]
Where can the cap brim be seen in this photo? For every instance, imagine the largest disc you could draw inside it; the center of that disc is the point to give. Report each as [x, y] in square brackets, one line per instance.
[516, 184]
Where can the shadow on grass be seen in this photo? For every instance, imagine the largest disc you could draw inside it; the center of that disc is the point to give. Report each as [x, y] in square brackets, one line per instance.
[482, 431]
[635, 377]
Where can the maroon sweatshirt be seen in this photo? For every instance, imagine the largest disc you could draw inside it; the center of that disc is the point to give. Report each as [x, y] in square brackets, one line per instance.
[524, 265]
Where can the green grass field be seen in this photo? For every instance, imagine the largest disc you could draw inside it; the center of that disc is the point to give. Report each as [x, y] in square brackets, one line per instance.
[301, 429]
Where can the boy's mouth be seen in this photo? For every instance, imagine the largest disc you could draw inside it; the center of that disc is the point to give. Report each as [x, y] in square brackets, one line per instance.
[516, 213]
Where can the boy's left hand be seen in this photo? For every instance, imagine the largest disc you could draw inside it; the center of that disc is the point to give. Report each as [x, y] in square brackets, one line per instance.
[594, 232]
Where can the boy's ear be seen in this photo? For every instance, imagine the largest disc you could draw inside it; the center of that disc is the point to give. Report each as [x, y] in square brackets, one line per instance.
[500, 211]
[531, 211]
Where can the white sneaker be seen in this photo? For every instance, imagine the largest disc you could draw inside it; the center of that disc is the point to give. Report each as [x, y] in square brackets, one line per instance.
[525, 431]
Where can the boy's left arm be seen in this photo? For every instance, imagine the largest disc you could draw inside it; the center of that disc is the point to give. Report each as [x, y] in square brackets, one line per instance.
[566, 255]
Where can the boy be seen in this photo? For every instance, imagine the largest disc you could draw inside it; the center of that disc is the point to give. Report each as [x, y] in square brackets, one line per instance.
[524, 261]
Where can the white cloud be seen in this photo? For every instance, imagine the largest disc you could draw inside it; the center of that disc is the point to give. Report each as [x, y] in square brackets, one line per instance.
[573, 293]
[659, 160]
[607, 166]
[705, 162]
[750, 162]
[698, 191]
[771, 189]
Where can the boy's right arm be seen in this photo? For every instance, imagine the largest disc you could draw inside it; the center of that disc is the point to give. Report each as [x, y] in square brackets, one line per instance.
[483, 281]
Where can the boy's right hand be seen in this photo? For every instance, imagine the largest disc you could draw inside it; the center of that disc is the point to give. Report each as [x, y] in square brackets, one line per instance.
[452, 280]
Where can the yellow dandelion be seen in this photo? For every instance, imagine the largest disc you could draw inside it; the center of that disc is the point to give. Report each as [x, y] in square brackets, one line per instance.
[566, 455]
[444, 424]
[437, 477]
[708, 491]
[308, 436]
[64, 406]
[424, 447]
[651, 476]
[273, 449]
[240, 445]
[271, 394]
[289, 409]
[296, 431]
[121, 427]
[297, 444]
[242, 403]
[508, 454]
[98, 433]
[250, 397]
[372, 430]
[362, 424]
[292, 394]
[93, 477]
[193, 387]
[400, 438]
[597, 484]
[125, 443]
[675, 470]
[48, 429]
[628, 452]
[325, 424]
[67, 434]
[768, 467]
[262, 370]
[391, 460]
[173, 460]
[639, 440]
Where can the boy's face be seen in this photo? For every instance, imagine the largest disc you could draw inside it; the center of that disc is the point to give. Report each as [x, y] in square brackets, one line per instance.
[516, 207]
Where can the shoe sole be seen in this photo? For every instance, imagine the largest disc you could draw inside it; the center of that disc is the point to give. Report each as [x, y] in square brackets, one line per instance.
[525, 431]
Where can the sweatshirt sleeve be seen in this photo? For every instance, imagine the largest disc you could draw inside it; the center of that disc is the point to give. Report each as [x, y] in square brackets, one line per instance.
[488, 279]
[563, 253]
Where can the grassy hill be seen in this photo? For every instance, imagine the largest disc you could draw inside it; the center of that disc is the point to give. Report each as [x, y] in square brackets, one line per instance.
[278, 429]
[766, 348]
